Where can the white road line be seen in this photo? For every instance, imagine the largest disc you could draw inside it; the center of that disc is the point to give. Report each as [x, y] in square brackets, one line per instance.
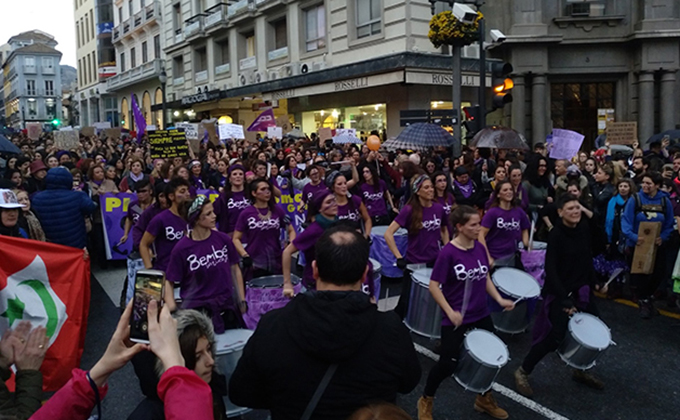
[519, 399]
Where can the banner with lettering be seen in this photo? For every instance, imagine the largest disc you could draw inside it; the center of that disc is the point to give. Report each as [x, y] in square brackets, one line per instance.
[168, 144]
[291, 204]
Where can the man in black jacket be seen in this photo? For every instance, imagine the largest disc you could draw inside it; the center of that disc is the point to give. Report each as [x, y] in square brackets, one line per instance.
[293, 347]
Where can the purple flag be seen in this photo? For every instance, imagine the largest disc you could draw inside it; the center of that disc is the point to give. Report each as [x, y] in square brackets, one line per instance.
[264, 120]
[140, 121]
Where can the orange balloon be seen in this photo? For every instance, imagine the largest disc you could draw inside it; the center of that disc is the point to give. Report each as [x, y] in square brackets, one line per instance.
[373, 143]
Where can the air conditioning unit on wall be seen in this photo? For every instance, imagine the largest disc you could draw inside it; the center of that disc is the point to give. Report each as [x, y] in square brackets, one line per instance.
[308, 67]
[244, 79]
[259, 77]
[273, 75]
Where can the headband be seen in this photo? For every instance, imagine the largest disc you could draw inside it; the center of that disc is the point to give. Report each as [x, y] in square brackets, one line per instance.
[419, 183]
[331, 177]
[195, 209]
[317, 199]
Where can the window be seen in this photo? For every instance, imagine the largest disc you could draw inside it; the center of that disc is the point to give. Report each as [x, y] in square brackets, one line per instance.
[157, 46]
[78, 34]
[48, 63]
[51, 108]
[94, 66]
[92, 24]
[80, 72]
[250, 44]
[133, 58]
[82, 31]
[89, 69]
[222, 52]
[315, 28]
[29, 61]
[200, 60]
[32, 108]
[49, 88]
[130, 12]
[200, 6]
[280, 34]
[178, 67]
[368, 17]
[122, 62]
[30, 87]
[177, 18]
[120, 15]
[145, 52]
[87, 28]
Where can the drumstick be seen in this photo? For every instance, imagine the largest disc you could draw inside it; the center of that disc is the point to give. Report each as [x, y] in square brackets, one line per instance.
[531, 234]
[614, 275]
[341, 162]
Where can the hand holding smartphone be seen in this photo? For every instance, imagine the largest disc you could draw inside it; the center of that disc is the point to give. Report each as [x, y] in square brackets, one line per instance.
[149, 285]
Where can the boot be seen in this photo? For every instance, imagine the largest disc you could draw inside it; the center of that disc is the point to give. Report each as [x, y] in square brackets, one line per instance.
[645, 310]
[485, 403]
[425, 408]
[585, 378]
[522, 383]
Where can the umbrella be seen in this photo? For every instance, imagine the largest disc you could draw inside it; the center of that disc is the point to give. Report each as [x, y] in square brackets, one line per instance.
[295, 133]
[672, 134]
[499, 138]
[7, 146]
[616, 148]
[346, 138]
[420, 137]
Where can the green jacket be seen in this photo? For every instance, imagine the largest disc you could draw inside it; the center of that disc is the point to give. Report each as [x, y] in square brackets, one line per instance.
[26, 399]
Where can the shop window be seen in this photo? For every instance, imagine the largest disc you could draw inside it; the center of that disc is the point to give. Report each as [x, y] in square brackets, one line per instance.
[368, 18]
[315, 28]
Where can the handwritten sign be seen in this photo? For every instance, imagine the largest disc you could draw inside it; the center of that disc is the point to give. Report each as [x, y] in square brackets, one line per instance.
[168, 144]
[349, 131]
[66, 140]
[325, 133]
[190, 130]
[88, 131]
[231, 131]
[622, 132]
[274, 132]
[284, 122]
[34, 130]
[114, 133]
[565, 144]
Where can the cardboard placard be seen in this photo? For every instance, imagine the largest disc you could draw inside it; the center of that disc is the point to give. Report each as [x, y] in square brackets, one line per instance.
[66, 140]
[195, 146]
[622, 132]
[325, 133]
[231, 131]
[34, 130]
[88, 131]
[645, 254]
[190, 130]
[284, 122]
[212, 132]
[274, 132]
[168, 144]
[114, 133]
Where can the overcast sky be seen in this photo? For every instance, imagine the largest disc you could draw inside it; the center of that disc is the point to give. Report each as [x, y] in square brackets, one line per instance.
[52, 16]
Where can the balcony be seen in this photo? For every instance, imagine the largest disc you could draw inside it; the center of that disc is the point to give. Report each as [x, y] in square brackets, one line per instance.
[30, 69]
[146, 71]
[278, 54]
[178, 81]
[201, 76]
[222, 69]
[193, 26]
[215, 16]
[126, 27]
[179, 36]
[247, 63]
[116, 34]
[237, 8]
[47, 70]
[148, 15]
[138, 18]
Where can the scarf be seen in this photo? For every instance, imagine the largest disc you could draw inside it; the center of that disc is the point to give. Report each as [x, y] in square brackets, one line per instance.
[136, 178]
[324, 222]
[467, 189]
[35, 230]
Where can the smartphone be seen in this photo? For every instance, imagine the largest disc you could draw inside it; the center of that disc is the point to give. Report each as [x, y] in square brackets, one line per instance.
[149, 284]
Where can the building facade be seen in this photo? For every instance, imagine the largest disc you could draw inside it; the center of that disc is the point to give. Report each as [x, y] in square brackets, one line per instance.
[140, 59]
[572, 58]
[5, 50]
[32, 80]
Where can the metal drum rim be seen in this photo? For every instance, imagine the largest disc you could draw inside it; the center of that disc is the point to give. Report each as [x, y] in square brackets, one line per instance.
[590, 347]
[293, 278]
[507, 352]
[502, 289]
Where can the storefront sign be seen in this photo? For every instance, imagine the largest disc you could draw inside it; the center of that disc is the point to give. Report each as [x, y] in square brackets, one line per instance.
[442, 78]
[622, 132]
[358, 83]
[201, 97]
[338, 86]
[283, 94]
[168, 143]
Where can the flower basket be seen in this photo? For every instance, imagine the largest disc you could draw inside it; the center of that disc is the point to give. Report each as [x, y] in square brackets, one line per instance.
[445, 29]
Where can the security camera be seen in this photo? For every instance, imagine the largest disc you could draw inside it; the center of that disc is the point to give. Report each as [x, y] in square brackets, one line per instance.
[464, 13]
[498, 36]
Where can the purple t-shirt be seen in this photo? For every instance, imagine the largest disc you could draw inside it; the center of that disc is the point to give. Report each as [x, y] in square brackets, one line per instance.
[228, 209]
[505, 230]
[305, 242]
[447, 202]
[423, 246]
[203, 270]
[309, 190]
[374, 201]
[168, 229]
[350, 211]
[263, 236]
[140, 224]
[457, 270]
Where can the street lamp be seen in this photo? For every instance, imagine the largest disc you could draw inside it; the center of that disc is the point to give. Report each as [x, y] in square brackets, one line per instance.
[163, 78]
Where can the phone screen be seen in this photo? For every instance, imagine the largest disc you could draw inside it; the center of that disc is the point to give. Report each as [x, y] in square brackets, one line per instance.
[148, 286]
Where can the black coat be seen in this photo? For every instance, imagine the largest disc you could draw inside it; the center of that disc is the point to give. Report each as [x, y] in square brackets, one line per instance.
[292, 347]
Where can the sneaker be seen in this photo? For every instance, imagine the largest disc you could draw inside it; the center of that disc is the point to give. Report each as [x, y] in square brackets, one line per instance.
[522, 383]
[425, 408]
[485, 403]
[645, 310]
[585, 378]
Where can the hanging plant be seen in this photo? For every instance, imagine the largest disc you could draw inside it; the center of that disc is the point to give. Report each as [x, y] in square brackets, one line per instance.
[445, 29]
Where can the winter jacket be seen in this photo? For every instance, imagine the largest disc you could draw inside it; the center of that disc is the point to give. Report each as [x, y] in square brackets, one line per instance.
[562, 183]
[62, 211]
[185, 396]
[602, 194]
[26, 399]
[373, 351]
[632, 216]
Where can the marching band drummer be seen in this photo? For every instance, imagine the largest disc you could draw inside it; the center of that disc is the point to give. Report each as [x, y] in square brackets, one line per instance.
[462, 270]
[569, 279]
[504, 224]
[424, 220]
[232, 200]
[204, 264]
[350, 207]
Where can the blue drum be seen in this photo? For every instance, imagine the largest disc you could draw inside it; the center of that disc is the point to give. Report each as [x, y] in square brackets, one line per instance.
[381, 252]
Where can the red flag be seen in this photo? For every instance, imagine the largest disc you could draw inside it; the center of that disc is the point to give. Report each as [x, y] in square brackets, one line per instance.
[48, 285]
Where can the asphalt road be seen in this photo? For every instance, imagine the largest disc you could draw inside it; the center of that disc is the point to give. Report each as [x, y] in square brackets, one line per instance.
[641, 373]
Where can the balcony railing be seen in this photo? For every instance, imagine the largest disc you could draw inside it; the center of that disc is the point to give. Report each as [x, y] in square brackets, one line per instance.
[147, 15]
[151, 11]
[247, 63]
[222, 69]
[193, 26]
[238, 7]
[116, 34]
[215, 15]
[278, 54]
[178, 81]
[47, 70]
[146, 71]
[126, 26]
[138, 19]
[30, 69]
[179, 36]
[201, 76]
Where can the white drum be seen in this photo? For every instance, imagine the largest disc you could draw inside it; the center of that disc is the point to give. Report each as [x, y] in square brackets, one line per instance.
[514, 284]
[377, 277]
[230, 346]
[482, 357]
[424, 316]
[587, 339]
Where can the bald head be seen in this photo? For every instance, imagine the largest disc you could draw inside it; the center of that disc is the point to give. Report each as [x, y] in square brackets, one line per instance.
[341, 256]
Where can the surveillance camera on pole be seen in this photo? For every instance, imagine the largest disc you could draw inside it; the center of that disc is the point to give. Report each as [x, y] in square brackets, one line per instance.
[464, 13]
[497, 36]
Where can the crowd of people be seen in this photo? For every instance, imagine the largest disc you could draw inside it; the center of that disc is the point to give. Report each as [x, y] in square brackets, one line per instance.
[463, 216]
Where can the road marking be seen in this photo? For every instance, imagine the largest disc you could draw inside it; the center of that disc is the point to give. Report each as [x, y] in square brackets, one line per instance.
[519, 399]
[635, 305]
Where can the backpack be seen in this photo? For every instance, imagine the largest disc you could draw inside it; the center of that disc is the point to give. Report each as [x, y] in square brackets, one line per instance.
[639, 207]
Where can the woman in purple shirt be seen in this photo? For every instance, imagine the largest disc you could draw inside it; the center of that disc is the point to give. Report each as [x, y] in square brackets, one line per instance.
[314, 186]
[462, 271]
[375, 195]
[443, 194]
[232, 200]
[504, 224]
[260, 227]
[350, 207]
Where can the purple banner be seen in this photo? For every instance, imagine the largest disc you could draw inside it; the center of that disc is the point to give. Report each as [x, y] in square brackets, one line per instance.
[263, 121]
[291, 205]
[140, 121]
[114, 208]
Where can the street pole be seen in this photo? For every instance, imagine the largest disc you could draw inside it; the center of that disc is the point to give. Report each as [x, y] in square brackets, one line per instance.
[482, 71]
[163, 107]
[456, 94]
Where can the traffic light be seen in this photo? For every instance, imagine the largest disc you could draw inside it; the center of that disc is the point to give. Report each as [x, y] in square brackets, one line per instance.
[501, 84]
[56, 122]
[474, 120]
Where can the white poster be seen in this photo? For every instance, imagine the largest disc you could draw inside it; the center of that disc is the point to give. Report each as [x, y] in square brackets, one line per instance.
[274, 132]
[231, 131]
[190, 129]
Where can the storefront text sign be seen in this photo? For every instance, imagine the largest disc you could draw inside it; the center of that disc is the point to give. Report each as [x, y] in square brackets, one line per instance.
[338, 86]
[442, 78]
[358, 83]
[201, 97]
[168, 143]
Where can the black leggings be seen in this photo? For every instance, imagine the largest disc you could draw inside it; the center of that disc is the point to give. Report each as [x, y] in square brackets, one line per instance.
[452, 340]
[645, 285]
[560, 322]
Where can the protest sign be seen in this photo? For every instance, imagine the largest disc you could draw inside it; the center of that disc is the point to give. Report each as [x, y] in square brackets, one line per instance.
[274, 132]
[350, 131]
[66, 140]
[604, 117]
[168, 144]
[102, 125]
[190, 130]
[291, 204]
[284, 122]
[114, 208]
[565, 144]
[87, 131]
[114, 133]
[231, 131]
[209, 127]
[34, 130]
[622, 132]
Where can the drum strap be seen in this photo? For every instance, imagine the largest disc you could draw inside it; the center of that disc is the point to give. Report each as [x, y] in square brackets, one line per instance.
[319, 391]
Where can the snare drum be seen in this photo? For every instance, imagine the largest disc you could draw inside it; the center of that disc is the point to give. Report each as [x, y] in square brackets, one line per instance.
[264, 294]
[587, 339]
[381, 252]
[514, 284]
[230, 346]
[424, 316]
[376, 268]
[483, 356]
